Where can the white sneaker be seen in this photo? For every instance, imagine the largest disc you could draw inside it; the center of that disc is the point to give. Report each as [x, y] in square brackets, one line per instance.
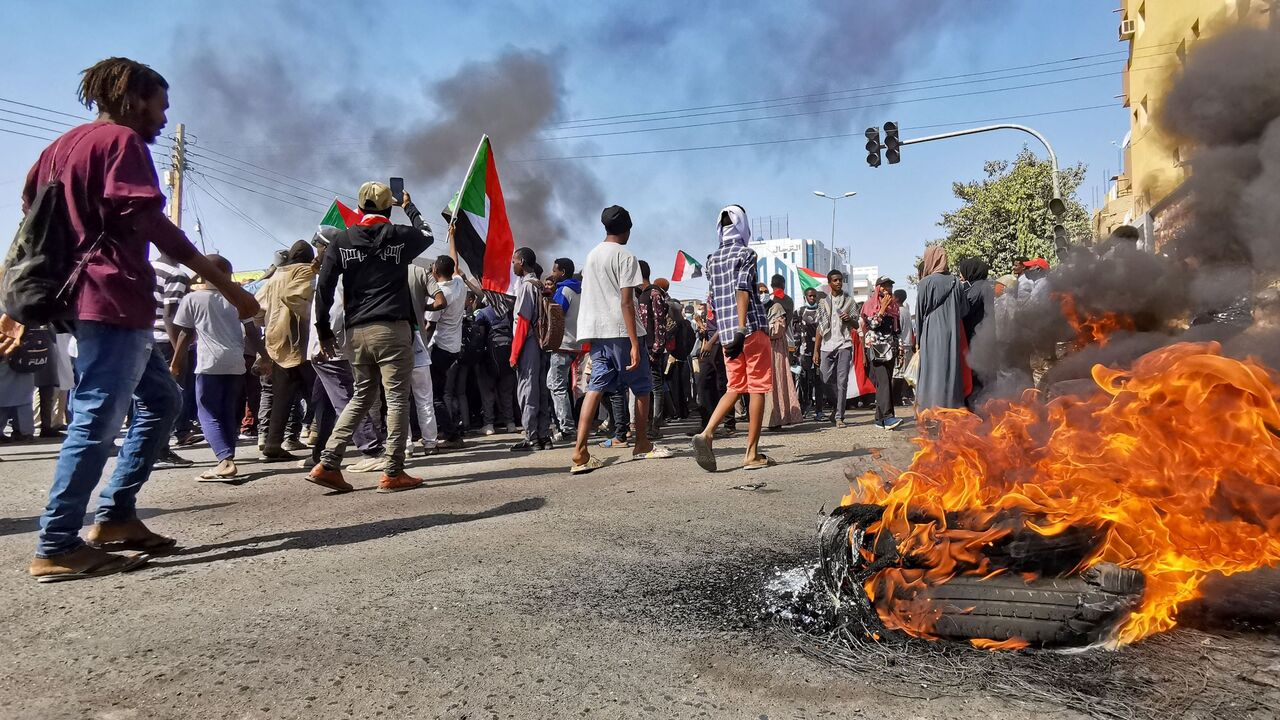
[487, 430]
[373, 464]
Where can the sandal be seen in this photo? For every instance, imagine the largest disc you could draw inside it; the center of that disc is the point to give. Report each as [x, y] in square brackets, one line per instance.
[657, 453]
[761, 461]
[48, 570]
[586, 467]
[146, 541]
[614, 443]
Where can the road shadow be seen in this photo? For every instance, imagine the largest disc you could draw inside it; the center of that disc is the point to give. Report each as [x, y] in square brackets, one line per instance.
[18, 526]
[330, 537]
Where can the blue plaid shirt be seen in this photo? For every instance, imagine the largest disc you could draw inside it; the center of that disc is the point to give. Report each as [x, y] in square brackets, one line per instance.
[730, 269]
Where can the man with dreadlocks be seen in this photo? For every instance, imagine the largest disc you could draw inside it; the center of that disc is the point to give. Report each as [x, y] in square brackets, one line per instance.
[115, 209]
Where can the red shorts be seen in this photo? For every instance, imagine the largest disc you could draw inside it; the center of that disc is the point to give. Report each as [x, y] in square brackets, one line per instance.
[752, 371]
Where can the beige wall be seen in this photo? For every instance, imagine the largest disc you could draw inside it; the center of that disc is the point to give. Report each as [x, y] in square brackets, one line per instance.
[1165, 32]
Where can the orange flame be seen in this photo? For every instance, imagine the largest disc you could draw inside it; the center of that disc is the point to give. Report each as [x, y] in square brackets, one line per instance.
[1176, 462]
[1092, 329]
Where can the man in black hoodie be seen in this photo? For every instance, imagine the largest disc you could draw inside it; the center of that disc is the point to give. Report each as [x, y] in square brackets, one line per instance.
[372, 258]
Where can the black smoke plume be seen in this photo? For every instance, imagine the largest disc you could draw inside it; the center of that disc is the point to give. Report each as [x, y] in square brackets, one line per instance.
[1215, 278]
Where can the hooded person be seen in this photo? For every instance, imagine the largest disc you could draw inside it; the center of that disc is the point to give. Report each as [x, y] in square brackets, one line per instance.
[783, 404]
[372, 258]
[941, 304]
[744, 338]
[286, 311]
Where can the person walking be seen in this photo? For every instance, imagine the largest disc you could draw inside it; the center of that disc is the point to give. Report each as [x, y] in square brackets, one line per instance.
[568, 293]
[783, 406]
[527, 356]
[371, 258]
[941, 305]
[428, 299]
[220, 339]
[652, 304]
[111, 189]
[881, 326]
[837, 316]
[445, 348]
[286, 304]
[497, 379]
[806, 326]
[608, 322]
[740, 318]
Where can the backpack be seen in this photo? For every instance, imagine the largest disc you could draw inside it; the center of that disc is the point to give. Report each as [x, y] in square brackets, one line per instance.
[39, 282]
[34, 352]
[475, 342]
[550, 328]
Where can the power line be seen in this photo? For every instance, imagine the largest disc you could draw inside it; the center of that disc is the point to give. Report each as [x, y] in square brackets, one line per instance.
[236, 172]
[276, 172]
[15, 132]
[230, 206]
[832, 110]
[265, 190]
[30, 125]
[870, 87]
[711, 111]
[81, 118]
[662, 151]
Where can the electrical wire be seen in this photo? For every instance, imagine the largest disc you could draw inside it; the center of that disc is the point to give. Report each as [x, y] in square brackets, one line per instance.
[265, 190]
[662, 151]
[328, 191]
[234, 210]
[37, 137]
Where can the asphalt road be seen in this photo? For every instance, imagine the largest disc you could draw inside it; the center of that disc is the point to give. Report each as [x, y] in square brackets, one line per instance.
[504, 588]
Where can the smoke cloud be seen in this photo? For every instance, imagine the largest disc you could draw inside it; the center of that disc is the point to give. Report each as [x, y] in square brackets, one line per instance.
[1215, 279]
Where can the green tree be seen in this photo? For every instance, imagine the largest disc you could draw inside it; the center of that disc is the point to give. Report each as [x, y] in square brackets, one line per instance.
[1006, 214]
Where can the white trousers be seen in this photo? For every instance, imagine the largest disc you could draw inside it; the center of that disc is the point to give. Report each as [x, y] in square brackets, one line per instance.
[424, 401]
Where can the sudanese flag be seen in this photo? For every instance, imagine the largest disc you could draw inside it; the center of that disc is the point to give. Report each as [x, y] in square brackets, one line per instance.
[686, 267]
[339, 216]
[482, 233]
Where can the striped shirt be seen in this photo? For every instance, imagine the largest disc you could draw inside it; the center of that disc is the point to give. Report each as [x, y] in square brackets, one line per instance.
[172, 284]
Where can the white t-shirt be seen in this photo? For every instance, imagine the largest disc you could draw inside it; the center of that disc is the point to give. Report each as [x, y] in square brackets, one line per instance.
[448, 334]
[610, 267]
[219, 332]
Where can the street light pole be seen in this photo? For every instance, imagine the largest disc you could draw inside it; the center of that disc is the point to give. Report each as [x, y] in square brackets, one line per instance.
[834, 199]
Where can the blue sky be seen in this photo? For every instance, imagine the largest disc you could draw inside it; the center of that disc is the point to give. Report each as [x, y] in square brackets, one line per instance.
[351, 76]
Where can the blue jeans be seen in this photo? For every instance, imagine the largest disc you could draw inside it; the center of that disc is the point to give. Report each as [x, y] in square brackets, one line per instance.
[118, 368]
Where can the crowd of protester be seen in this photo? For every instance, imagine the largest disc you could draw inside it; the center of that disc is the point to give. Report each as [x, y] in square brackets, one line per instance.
[366, 337]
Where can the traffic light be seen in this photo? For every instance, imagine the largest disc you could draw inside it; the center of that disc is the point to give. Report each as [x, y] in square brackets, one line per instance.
[892, 143]
[873, 147]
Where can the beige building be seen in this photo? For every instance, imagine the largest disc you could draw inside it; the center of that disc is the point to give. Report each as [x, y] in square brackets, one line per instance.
[1160, 34]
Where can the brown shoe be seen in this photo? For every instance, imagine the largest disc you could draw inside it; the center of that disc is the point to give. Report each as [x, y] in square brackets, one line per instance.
[128, 536]
[81, 563]
[450, 445]
[332, 479]
[396, 483]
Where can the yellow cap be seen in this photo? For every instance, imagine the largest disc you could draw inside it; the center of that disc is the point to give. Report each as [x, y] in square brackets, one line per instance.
[374, 196]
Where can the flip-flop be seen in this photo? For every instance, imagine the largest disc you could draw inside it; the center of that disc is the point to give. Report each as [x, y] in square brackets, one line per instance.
[153, 544]
[762, 461]
[614, 443]
[213, 476]
[657, 453]
[703, 453]
[586, 467]
[110, 566]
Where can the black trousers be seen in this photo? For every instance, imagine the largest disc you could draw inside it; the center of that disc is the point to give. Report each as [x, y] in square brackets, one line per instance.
[442, 361]
[713, 382]
[886, 391]
[287, 385]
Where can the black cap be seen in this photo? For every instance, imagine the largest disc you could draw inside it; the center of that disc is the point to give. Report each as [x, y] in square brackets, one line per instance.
[616, 220]
[884, 280]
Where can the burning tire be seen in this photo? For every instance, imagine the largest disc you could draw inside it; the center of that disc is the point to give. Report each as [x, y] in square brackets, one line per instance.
[1045, 612]
[1037, 598]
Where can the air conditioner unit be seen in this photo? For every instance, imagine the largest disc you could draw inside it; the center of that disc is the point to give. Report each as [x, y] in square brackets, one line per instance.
[1128, 28]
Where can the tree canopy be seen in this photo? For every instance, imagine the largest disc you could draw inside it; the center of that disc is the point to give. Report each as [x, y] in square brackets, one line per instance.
[1006, 214]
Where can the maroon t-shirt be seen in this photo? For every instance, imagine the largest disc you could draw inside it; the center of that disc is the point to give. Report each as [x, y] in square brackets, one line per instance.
[111, 185]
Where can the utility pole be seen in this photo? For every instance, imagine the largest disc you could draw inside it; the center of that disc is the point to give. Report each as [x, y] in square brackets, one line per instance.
[173, 177]
[834, 199]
